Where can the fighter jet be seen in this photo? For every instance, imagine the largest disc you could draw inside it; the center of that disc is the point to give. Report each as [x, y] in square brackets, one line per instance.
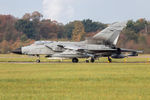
[103, 44]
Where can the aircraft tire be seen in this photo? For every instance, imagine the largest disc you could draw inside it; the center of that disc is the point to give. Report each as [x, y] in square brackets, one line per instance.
[38, 61]
[75, 60]
[87, 61]
[92, 60]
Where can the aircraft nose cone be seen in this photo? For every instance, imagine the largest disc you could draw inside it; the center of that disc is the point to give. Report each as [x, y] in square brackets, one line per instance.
[17, 51]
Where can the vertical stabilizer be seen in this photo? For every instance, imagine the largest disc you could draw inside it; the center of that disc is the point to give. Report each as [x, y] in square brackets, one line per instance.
[111, 33]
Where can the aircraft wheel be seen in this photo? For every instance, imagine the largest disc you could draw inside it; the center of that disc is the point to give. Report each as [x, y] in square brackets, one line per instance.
[92, 60]
[109, 59]
[87, 61]
[38, 61]
[75, 60]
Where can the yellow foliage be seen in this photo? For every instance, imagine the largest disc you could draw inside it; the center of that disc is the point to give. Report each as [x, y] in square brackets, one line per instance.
[78, 31]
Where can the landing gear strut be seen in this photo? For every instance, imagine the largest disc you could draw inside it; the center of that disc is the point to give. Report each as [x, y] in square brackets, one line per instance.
[75, 60]
[38, 59]
[109, 60]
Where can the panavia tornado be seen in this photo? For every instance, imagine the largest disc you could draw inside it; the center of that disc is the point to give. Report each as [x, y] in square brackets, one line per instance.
[103, 44]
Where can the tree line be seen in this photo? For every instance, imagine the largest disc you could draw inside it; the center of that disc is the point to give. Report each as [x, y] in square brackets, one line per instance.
[16, 32]
[136, 35]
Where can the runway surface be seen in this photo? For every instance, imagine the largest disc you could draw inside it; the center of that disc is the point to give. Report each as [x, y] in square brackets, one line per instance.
[23, 59]
[26, 62]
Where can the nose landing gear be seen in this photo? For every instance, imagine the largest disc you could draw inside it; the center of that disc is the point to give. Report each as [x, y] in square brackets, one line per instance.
[38, 59]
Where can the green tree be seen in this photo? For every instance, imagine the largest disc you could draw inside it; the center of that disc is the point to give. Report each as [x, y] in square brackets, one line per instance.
[60, 32]
[130, 25]
[91, 26]
[136, 26]
[140, 25]
[27, 27]
[131, 35]
[68, 29]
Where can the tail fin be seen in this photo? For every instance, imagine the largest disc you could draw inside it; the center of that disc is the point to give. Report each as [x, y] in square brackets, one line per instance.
[111, 33]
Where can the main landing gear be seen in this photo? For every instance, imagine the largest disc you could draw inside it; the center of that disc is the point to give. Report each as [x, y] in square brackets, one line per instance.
[75, 60]
[92, 60]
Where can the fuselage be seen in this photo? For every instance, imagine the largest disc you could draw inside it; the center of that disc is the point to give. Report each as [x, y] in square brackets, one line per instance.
[52, 49]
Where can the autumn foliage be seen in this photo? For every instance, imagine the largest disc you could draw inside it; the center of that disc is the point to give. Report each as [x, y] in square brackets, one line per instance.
[78, 31]
[31, 27]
